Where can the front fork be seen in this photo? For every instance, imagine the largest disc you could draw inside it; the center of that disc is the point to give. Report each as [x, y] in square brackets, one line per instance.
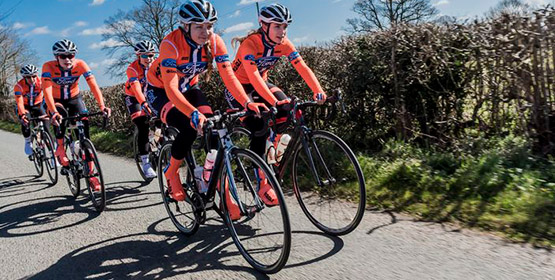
[306, 140]
[228, 148]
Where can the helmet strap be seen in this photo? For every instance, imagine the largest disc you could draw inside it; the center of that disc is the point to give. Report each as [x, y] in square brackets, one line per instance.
[267, 33]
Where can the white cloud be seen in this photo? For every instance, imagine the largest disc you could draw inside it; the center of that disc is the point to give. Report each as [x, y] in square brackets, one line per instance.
[441, 2]
[336, 1]
[126, 24]
[246, 2]
[235, 14]
[21, 25]
[39, 31]
[65, 32]
[239, 27]
[80, 23]
[96, 31]
[103, 63]
[109, 43]
[300, 39]
[97, 2]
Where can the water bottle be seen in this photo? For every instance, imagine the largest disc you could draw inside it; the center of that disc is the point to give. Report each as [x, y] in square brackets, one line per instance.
[157, 134]
[75, 147]
[201, 184]
[282, 145]
[209, 164]
[152, 141]
[270, 152]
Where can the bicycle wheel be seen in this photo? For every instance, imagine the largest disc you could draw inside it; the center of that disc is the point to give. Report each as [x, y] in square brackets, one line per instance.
[263, 235]
[336, 205]
[74, 170]
[38, 148]
[137, 157]
[92, 171]
[241, 137]
[183, 214]
[49, 158]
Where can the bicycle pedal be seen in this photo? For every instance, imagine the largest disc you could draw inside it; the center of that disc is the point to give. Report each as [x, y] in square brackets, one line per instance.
[64, 171]
[251, 211]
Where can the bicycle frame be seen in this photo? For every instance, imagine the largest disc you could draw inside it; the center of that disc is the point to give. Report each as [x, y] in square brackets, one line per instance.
[301, 136]
[223, 160]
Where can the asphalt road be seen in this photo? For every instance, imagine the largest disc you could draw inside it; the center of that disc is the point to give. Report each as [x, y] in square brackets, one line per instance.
[46, 234]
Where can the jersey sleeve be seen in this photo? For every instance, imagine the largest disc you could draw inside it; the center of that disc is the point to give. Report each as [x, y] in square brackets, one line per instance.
[246, 53]
[301, 67]
[168, 68]
[47, 87]
[18, 94]
[91, 81]
[226, 72]
[134, 86]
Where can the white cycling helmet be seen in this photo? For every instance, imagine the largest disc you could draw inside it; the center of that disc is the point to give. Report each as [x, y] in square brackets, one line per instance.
[197, 11]
[144, 47]
[275, 13]
[64, 47]
[29, 70]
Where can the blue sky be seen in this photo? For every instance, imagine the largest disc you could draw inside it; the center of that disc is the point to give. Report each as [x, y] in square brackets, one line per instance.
[44, 22]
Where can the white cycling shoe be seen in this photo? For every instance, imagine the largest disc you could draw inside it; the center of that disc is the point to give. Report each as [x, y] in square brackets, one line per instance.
[147, 168]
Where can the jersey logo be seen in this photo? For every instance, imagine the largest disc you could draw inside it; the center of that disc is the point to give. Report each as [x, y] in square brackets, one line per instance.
[169, 63]
[249, 57]
[294, 55]
[191, 69]
[222, 58]
[266, 63]
[65, 81]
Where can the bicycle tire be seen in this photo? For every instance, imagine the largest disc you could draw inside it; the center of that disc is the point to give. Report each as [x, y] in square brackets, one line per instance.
[309, 192]
[37, 155]
[73, 173]
[176, 216]
[98, 198]
[245, 242]
[50, 159]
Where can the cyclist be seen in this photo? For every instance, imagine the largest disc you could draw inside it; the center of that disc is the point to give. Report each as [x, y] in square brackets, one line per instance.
[60, 79]
[173, 91]
[29, 100]
[258, 52]
[135, 100]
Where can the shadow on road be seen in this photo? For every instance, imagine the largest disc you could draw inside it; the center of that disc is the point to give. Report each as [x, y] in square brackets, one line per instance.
[15, 186]
[126, 256]
[134, 255]
[120, 194]
[37, 216]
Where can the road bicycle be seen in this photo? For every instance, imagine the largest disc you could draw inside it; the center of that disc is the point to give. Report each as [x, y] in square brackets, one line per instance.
[83, 160]
[43, 149]
[159, 133]
[325, 174]
[263, 233]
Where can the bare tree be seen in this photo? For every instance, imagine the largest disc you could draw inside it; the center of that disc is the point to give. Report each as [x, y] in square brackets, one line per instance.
[508, 7]
[382, 14]
[152, 21]
[14, 52]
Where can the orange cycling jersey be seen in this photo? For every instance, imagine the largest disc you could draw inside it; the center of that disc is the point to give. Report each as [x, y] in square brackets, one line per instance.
[136, 81]
[27, 95]
[59, 84]
[256, 56]
[181, 61]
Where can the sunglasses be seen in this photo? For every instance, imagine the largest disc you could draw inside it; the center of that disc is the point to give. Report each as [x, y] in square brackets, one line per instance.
[31, 77]
[64, 56]
[147, 55]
